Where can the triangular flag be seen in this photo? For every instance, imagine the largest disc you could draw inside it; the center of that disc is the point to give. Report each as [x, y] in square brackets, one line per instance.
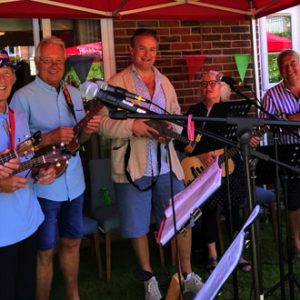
[242, 61]
[81, 65]
[194, 64]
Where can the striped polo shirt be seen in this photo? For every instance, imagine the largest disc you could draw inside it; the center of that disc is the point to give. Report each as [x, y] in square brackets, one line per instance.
[278, 101]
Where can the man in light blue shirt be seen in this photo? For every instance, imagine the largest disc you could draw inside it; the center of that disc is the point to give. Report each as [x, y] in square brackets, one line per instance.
[55, 108]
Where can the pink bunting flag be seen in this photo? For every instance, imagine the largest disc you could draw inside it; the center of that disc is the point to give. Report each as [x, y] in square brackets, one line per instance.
[194, 64]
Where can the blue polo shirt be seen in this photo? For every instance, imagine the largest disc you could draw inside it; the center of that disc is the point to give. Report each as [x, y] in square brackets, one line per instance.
[20, 212]
[46, 109]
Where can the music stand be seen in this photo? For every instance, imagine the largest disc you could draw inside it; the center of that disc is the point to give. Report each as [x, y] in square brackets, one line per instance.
[227, 263]
[288, 154]
[188, 201]
[226, 110]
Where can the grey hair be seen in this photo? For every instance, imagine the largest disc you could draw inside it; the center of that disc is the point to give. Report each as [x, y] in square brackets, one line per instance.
[225, 91]
[51, 40]
[286, 53]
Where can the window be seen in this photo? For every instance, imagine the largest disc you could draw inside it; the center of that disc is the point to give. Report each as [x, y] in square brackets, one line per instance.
[277, 33]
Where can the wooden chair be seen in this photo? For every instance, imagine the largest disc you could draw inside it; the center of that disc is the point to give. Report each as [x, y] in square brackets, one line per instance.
[105, 213]
[90, 228]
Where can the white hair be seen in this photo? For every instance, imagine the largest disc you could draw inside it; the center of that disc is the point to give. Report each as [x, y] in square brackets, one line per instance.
[225, 91]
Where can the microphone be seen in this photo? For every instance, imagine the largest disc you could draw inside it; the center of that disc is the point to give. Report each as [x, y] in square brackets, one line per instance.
[104, 86]
[229, 80]
[90, 90]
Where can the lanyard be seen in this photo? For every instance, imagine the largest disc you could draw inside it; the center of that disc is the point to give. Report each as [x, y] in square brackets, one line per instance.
[11, 128]
[69, 101]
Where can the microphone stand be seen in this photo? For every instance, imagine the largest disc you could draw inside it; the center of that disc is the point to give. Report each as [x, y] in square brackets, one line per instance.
[290, 277]
[244, 126]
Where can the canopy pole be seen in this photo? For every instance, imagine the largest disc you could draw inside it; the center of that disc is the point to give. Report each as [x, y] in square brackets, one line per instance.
[255, 57]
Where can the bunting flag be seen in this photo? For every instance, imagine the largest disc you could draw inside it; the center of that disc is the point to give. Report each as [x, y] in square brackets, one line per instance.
[242, 61]
[194, 64]
[81, 65]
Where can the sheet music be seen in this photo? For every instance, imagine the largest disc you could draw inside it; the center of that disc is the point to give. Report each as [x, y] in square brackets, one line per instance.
[185, 202]
[227, 263]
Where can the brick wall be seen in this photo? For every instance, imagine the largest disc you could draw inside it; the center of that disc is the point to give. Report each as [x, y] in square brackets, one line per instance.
[218, 40]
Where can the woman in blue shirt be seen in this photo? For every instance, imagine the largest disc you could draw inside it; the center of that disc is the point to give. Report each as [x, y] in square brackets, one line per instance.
[20, 212]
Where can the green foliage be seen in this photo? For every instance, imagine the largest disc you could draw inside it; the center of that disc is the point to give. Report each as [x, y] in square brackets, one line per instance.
[274, 75]
[95, 72]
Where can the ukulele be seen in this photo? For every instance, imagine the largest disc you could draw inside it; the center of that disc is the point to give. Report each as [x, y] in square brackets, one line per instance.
[52, 157]
[74, 145]
[24, 148]
[163, 130]
[193, 166]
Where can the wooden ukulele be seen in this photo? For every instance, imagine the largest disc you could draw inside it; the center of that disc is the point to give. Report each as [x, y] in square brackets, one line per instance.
[193, 166]
[163, 130]
[24, 148]
[73, 146]
[52, 157]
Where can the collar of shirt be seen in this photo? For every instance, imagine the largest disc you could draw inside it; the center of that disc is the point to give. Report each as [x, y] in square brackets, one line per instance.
[47, 87]
[157, 79]
[4, 115]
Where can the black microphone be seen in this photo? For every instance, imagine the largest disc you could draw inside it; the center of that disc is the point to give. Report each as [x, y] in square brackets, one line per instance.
[229, 80]
[90, 90]
[104, 86]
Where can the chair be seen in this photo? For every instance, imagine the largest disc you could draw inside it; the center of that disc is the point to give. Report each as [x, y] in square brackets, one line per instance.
[105, 213]
[90, 228]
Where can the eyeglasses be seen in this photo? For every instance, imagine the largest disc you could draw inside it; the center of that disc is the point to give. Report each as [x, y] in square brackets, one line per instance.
[50, 61]
[205, 84]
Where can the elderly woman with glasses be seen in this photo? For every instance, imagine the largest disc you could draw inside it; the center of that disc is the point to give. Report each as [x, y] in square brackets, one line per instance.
[213, 91]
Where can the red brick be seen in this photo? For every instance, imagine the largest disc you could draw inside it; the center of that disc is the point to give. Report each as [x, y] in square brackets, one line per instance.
[180, 30]
[180, 46]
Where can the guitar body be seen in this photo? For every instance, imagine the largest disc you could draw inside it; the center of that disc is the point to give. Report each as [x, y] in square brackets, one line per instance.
[173, 292]
[192, 167]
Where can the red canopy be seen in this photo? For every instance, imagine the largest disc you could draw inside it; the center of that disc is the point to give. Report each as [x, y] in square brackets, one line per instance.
[277, 43]
[143, 9]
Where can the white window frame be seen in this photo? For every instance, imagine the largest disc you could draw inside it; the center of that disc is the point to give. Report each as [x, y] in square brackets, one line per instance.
[295, 17]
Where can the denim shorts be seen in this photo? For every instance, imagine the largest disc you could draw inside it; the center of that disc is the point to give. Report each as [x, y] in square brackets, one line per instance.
[62, 219]
[135, 207]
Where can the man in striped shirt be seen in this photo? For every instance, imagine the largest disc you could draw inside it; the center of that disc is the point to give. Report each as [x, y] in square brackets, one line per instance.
[283, 100]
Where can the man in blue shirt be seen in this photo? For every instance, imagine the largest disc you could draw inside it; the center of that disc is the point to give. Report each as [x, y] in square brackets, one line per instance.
[55, 108]
[20, 212]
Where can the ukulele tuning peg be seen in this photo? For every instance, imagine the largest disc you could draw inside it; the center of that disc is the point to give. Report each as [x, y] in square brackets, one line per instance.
[58, 164]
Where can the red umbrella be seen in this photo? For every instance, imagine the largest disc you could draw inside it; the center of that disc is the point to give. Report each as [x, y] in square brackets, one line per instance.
[277, 43]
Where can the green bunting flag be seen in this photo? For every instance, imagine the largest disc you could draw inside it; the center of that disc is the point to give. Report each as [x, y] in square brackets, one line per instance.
[242, 61]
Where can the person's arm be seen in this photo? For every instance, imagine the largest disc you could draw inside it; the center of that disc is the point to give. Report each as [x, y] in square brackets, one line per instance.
[45, 175]
[8, 167]
[12, 183]
[91, 127]
[61, 135]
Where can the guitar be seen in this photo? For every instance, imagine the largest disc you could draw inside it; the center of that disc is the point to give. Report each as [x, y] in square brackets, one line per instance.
[53, 157]
[73, 146]
[24, 148]
[193, 166]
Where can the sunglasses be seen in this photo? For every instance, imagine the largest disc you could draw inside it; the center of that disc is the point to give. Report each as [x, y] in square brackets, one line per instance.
[211, 83]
